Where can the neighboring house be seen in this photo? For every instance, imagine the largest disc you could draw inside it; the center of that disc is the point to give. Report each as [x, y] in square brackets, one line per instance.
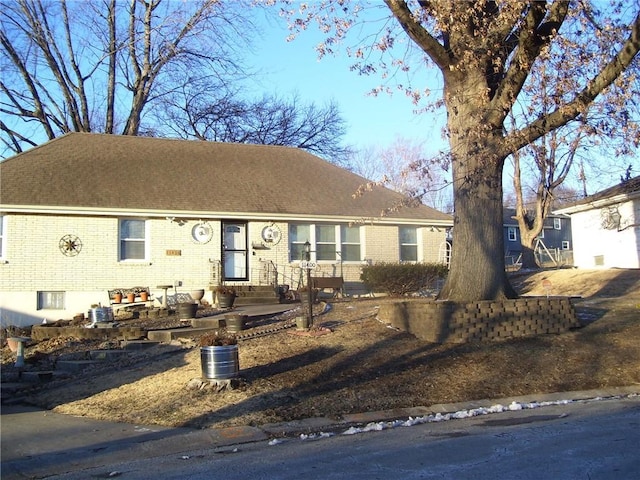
[606, 227]
[86, 213]
[553, 245]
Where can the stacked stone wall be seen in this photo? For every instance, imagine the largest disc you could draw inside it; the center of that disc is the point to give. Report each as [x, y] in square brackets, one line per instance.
[450, 322]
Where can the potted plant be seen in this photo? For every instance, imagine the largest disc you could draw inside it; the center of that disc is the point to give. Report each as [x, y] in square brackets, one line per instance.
[226, 296]
[219, 356]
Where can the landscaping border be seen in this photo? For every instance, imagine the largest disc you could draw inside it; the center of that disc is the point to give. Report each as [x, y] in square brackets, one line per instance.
[452, 322]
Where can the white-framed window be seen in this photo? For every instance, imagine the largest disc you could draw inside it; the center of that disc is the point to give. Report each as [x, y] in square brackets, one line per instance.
[329, 243]
[408, 244]
[3, 237]
[133, 240]
[541, 234]
[350, 243]
[511, 234]
[298, 235]
[557, 224]
[51, 300]
[325, 243]
[565, 245]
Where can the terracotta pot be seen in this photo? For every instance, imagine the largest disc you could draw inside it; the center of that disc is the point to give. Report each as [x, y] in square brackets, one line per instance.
[117, 298]
[131, 297]
[144, 296]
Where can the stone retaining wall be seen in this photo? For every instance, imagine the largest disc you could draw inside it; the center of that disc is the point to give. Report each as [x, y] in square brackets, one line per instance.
[451, 322]
[45, 332]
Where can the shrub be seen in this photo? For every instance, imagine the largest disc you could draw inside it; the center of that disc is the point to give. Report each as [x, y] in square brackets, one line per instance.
[401, 278]
[217, 339]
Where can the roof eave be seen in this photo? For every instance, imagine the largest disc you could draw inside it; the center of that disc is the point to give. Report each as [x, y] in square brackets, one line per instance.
[199, 215]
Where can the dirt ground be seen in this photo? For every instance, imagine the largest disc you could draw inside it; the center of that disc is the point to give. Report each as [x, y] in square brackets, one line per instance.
[359, 365]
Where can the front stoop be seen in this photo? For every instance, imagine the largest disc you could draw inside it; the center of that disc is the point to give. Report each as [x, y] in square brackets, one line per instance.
[255, 295]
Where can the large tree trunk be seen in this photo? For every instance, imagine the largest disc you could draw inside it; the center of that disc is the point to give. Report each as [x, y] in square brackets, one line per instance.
[477, 270]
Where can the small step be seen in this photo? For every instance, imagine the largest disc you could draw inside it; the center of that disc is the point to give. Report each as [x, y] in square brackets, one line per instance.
[138, 344]
[106, 355]
[76, 365]
[36, 377]
[207, 322]
[166, 336]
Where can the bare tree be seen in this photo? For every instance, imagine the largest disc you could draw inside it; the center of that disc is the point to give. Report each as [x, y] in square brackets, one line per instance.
[404, 166]
[269, 120]
[59, 58]
[486, 52]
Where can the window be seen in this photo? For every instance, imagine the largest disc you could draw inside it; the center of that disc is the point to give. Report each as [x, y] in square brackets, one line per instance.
[3, 242]
[50, 300]
[329, 243]
[325, 242]
[565, 245]
[557, 224]
[511, 233]
[408, 244]
[541, 234]
[298, 234]
[133, 240]
[350, 239]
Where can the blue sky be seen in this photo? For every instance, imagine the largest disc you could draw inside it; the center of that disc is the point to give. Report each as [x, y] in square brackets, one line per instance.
[371, 121]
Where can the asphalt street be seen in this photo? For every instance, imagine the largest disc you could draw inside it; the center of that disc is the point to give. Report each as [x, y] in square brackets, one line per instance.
[593, 436]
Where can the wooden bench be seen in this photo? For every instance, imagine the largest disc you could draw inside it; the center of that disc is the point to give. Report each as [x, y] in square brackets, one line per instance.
[138, 292]
[335, 283]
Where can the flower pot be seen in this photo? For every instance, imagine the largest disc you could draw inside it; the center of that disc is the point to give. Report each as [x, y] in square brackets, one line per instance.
[219, 362]
[197, 295]
[144, 296]
[235, 323]
[226, 300]
[187, 310]
[302, 323]
[131, 297]
[117, 298]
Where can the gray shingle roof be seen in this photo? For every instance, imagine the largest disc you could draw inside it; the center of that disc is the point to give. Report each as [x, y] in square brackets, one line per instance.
[112, 172]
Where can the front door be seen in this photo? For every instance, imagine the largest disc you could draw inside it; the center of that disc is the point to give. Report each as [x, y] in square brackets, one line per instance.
[234, 251]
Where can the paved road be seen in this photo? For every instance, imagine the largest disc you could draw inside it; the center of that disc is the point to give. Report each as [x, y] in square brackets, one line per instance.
[581, 440]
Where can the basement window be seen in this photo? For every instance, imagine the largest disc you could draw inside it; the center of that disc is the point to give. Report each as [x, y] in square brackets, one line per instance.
[51, 300]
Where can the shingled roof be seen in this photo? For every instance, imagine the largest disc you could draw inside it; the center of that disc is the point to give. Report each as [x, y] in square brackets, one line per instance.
[624, 190]
[85, 171]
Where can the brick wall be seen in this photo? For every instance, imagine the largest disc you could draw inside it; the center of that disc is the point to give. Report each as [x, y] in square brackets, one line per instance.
[450, 322]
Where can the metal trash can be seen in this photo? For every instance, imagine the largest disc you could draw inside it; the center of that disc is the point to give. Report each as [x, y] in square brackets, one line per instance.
[101, 315]
[219, 362]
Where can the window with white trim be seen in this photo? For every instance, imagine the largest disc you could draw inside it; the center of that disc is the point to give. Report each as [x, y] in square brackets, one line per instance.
[133, 239]
[329, 243]
[298, 235]
[565, 245]
[51, 300]
[557, 224]
[511, 234]
[408, 244]
[325, 243]
[350, 243]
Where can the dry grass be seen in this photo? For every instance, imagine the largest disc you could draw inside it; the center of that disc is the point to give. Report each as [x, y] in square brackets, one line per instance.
[363, 365]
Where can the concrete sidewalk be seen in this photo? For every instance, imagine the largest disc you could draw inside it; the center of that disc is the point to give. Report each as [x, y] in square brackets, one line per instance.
[37, 443]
